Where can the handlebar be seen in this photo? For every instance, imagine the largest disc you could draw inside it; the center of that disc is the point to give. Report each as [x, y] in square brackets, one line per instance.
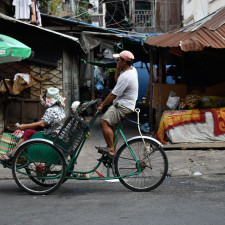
[85, 105]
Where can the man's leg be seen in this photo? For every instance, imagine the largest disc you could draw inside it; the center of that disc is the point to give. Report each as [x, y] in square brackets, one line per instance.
[108, 135]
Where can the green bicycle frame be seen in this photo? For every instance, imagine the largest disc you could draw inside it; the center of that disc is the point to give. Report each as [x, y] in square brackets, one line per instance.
[75, 156]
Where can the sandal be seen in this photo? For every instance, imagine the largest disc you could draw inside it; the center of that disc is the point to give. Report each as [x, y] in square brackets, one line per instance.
[4, 159]
[104, 150]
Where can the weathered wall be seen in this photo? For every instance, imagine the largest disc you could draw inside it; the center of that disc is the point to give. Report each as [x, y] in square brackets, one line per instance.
[164, 16]
[54, 78]
[196, 10]
[70, 80]
[167, 15]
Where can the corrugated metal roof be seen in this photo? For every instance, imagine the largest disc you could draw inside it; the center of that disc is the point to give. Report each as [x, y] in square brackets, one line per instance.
[67, 37]
[208, 32]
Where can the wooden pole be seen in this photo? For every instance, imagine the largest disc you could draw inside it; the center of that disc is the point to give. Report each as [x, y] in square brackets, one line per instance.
[159, 90]
[151, 92]
[104, 13]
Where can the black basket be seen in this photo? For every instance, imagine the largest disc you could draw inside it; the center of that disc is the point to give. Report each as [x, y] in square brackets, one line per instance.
[71, 134]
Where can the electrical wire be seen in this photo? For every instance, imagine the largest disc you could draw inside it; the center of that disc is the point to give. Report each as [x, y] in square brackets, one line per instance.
[116, 23]
[152, 1]
[113, 12]
[122, 29]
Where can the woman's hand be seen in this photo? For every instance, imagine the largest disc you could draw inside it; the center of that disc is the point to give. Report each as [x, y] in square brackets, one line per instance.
[22, 127]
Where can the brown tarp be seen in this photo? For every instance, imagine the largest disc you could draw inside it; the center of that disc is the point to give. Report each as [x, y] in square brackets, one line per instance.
[19, 84]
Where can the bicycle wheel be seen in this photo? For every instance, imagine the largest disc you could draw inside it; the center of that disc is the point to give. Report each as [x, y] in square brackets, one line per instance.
[38, 167]
[152, 161]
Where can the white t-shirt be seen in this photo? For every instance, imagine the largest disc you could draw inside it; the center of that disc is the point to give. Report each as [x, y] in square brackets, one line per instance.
[126, 89]
[22, 9]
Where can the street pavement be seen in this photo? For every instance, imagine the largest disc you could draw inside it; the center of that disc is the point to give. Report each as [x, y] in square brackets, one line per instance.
[177, 201]
[181, 162]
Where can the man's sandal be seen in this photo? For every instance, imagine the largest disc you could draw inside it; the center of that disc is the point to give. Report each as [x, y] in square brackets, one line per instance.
[104, 150]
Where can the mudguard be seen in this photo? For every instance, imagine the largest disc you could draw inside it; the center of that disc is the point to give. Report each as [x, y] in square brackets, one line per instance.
[43, 140]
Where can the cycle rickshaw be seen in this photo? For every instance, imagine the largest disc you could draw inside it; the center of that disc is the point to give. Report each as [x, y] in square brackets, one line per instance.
[42, 164]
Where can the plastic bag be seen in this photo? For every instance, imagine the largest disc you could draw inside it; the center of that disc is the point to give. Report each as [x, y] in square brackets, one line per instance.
[173, 100]
[99, 86]
[18, 133]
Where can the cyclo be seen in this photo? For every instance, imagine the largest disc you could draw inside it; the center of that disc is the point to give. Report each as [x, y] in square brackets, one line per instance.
[41, 164]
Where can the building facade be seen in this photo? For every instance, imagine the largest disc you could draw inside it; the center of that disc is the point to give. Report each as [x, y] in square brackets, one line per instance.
[193, 10]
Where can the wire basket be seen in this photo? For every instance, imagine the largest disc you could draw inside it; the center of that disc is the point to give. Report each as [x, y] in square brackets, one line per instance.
[71, 134]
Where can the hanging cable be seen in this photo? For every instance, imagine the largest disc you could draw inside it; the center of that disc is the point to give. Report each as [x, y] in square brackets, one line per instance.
[113, 12]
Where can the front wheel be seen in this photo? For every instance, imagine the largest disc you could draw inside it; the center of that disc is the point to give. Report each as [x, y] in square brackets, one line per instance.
[38, 167]
[150, 169]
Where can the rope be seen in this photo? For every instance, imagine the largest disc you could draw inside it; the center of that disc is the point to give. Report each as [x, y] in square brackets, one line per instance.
[137, 110]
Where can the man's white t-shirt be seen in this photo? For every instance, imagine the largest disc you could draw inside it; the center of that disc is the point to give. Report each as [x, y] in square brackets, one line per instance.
[126, 89]
[22, 9]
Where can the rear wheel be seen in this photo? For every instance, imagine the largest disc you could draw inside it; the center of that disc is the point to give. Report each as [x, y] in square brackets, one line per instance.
[38, 167]
[152, 162]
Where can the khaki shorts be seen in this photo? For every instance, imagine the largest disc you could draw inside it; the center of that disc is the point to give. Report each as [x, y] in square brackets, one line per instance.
[116, 113]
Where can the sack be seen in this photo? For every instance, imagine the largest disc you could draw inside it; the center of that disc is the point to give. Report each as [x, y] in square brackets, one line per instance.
[173, 100]
[2, 88]
[8, 142]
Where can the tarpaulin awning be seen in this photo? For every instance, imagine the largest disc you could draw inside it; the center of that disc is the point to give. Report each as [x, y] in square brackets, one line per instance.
[136, 45]
[105, 64]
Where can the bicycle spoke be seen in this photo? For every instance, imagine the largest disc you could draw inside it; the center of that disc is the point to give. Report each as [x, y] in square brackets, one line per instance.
[152, 163]
[43, 170]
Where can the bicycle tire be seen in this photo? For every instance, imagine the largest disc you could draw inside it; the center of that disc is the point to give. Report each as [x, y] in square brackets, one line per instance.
[153, 164]
[38, 167]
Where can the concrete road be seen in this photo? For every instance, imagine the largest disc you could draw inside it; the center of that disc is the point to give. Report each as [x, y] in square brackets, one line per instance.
[178, 201]
[182, 199]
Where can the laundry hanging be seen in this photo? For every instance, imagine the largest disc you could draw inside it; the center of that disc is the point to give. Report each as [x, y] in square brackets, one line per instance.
[22, 9]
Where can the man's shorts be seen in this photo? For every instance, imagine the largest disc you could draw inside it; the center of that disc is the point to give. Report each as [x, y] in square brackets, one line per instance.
[116, 113]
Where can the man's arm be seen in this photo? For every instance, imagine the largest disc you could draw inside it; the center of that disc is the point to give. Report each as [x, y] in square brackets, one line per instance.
[107, 101]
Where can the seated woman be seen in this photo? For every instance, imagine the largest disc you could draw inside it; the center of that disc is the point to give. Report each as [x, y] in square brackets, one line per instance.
[52, 116]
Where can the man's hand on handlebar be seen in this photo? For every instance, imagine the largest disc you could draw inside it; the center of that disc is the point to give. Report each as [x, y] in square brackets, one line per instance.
[100, 107]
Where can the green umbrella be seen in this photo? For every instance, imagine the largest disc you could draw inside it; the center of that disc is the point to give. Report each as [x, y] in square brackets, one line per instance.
[12, 50]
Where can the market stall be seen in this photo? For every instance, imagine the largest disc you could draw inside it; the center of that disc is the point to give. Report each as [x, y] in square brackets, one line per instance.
[197, 52]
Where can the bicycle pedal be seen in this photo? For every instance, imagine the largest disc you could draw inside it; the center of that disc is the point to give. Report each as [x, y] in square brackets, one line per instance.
[100, 159]
[101, 152]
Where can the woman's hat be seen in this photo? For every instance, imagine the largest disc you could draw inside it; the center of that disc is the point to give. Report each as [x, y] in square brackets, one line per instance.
[51, 97]
[52, 92]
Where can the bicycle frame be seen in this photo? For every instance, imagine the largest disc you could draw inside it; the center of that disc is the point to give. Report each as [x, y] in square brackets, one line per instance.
[117, 132]
[70, 163]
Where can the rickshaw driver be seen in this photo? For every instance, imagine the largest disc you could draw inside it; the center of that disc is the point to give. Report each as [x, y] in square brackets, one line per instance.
[124, 97]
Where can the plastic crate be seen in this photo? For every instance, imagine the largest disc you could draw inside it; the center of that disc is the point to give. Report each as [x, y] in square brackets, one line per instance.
[71, 134]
